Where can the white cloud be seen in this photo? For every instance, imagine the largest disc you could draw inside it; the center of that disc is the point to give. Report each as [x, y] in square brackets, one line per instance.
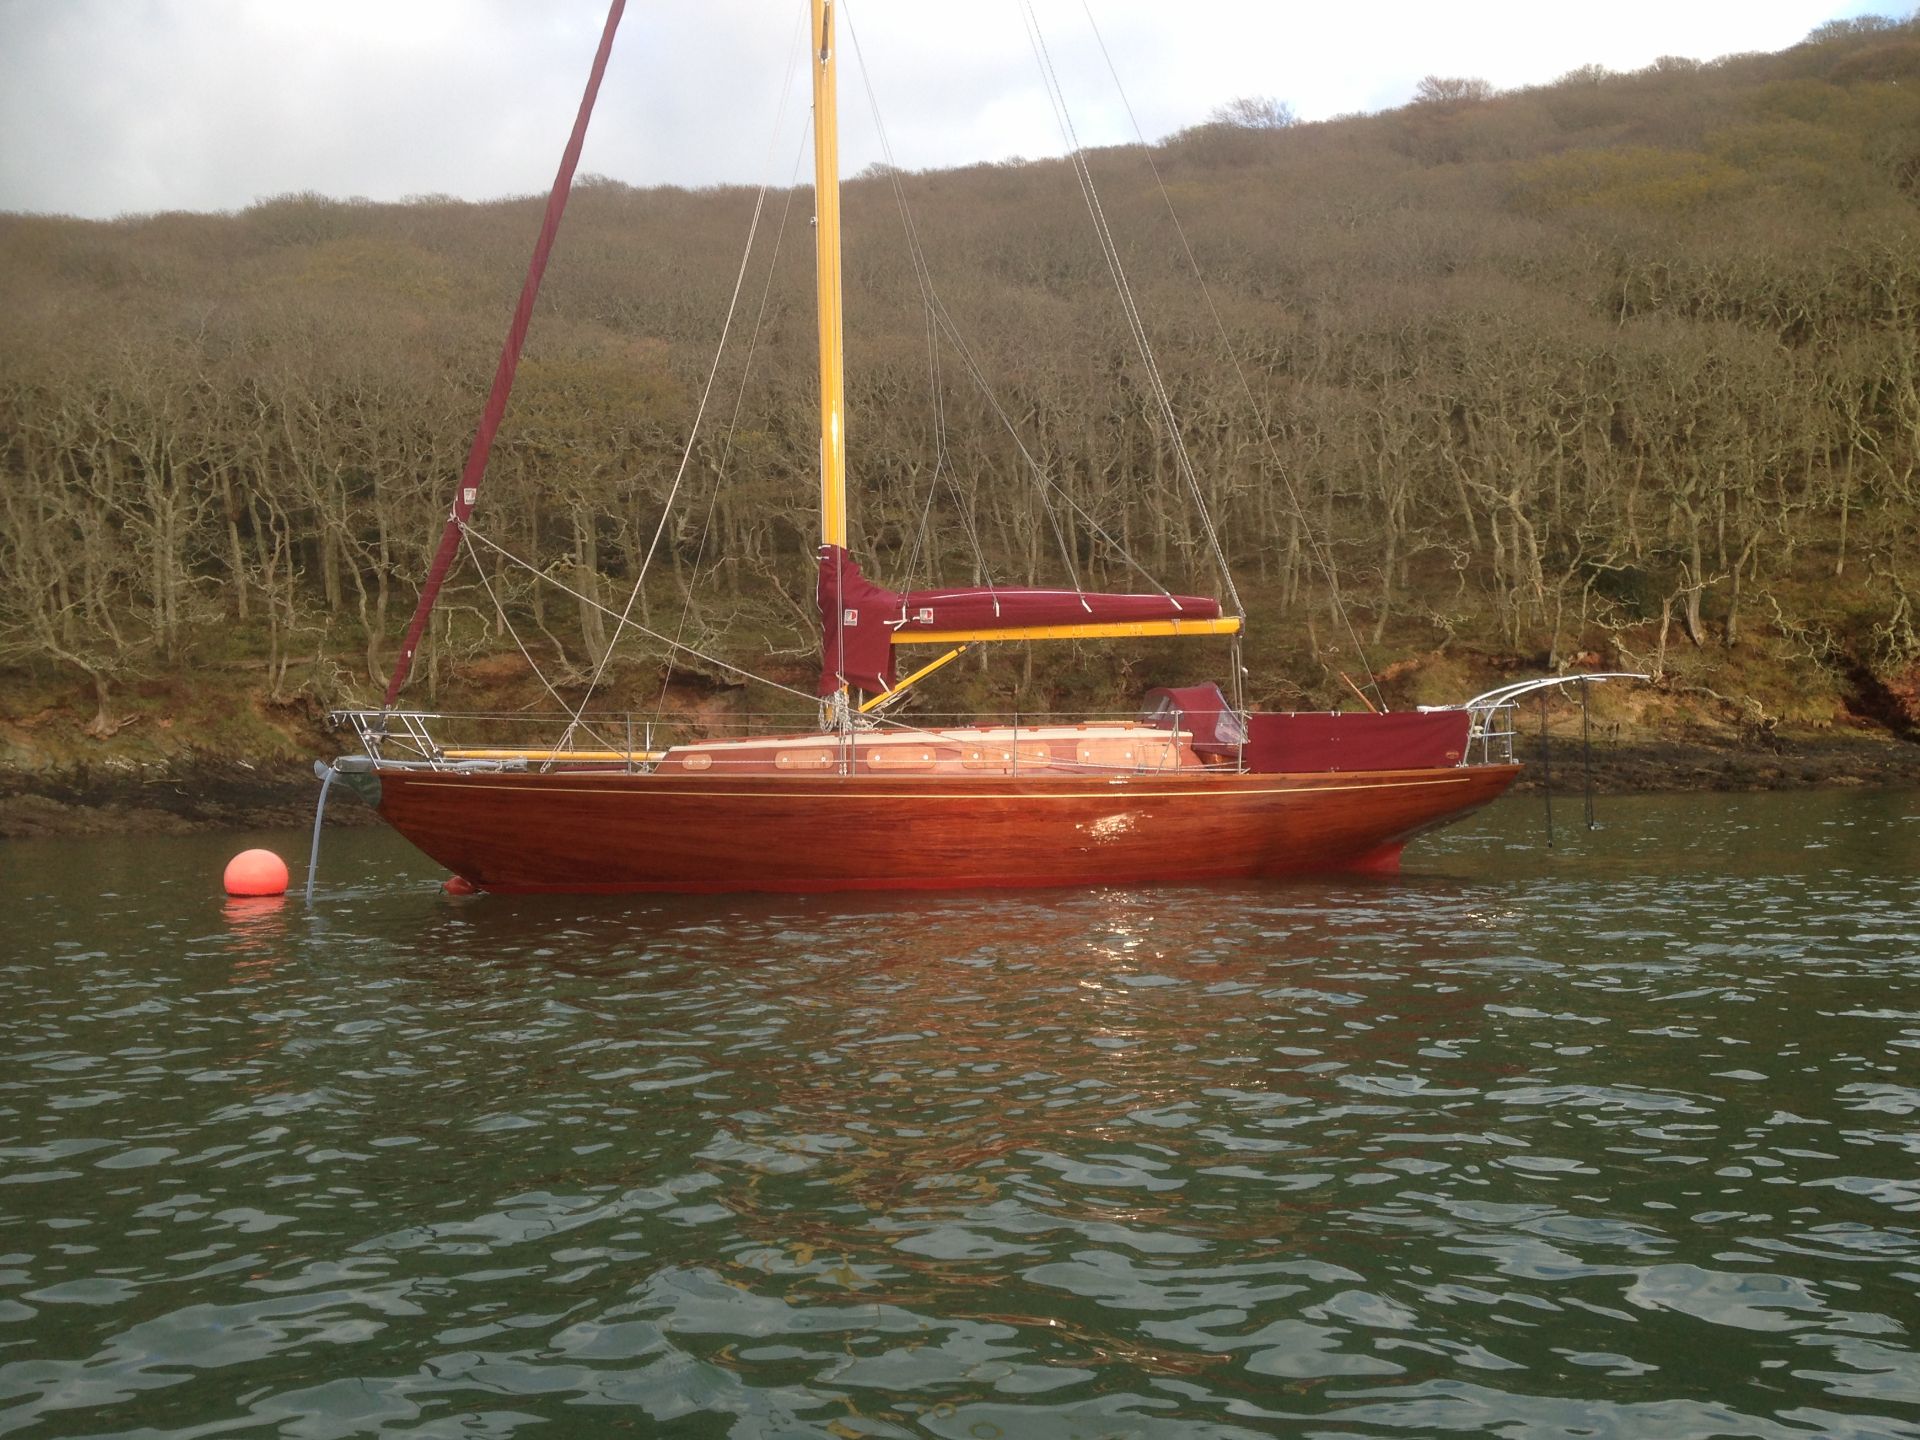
[113, 106]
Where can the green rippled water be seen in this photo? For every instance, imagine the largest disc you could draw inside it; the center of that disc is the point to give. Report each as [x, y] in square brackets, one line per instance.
[1619, 1139]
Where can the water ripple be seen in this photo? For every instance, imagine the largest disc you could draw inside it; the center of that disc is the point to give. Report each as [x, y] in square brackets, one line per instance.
[1614, 1142]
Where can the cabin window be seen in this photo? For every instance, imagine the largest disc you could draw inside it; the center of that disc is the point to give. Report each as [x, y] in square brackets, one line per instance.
[698, 760]
[803, 759]
[899, 757]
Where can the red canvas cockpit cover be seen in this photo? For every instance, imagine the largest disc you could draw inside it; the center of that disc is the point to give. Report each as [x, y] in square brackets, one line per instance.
[1321, 744]
[858, 618]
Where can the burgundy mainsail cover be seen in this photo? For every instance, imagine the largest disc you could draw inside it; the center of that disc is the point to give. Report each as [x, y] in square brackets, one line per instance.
[858, 618]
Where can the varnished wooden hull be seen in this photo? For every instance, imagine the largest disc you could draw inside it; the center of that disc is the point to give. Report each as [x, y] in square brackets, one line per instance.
[587, 832]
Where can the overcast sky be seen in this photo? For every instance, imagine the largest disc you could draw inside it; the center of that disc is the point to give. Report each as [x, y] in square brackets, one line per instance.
[111, 107]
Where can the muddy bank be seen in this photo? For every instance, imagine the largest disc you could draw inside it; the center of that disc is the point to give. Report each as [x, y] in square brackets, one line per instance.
[176, 798]
[1629, 767]
[192, 795]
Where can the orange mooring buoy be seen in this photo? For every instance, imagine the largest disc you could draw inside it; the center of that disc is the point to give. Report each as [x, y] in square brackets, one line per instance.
[459, 885]
[256, 872]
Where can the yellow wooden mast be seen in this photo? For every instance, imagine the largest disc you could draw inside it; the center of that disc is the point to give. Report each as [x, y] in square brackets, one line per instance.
[826, 219]
[833, 420]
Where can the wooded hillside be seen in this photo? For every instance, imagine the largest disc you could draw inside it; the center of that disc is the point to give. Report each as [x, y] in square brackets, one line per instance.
[1626, 368]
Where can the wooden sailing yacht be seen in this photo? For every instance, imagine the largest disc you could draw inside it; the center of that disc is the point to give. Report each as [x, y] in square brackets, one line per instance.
[1196, 788]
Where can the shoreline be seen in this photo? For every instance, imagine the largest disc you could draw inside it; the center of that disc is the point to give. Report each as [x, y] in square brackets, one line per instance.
[184, 797]
[1697, 766]
[196, 796]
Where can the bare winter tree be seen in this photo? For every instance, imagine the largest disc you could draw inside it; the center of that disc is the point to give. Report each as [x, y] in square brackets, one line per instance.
[1451, 90]
[1254, 112]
